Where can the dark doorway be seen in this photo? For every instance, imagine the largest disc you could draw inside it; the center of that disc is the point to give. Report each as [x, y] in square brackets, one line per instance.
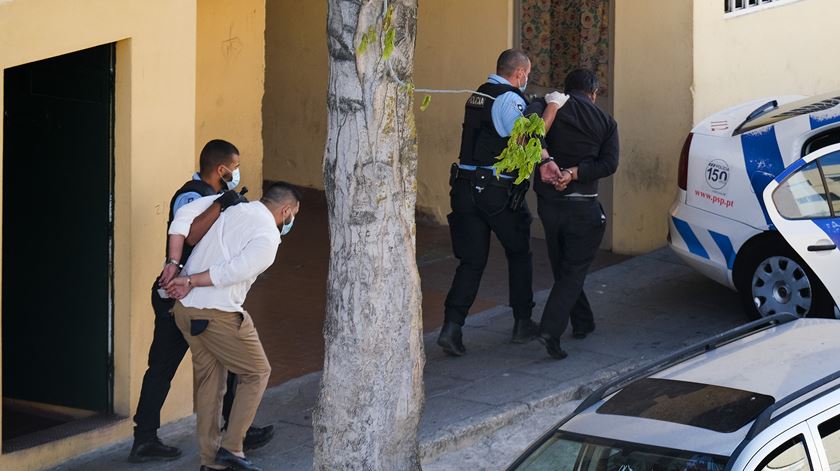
[57, 242]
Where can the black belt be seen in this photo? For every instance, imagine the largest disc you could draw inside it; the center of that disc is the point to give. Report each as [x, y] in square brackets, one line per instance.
[576, 198]
[486, 176]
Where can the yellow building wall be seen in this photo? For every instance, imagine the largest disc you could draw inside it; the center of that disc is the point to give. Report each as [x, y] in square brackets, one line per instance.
[154, 149]
[781, 50]
[295, 110]
[230, 81]
[295, 103]
[652, 104]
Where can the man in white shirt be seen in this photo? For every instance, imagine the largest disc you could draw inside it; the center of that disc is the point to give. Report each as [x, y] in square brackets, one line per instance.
[215, 280]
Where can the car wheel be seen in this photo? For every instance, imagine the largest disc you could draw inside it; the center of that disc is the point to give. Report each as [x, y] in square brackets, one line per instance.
[776, 280]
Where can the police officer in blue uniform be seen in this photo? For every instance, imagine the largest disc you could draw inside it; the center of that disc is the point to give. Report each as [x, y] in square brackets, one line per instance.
[483, 202]
[218, 172]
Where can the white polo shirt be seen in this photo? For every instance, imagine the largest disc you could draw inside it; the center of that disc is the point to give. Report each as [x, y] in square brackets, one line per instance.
[240, 245]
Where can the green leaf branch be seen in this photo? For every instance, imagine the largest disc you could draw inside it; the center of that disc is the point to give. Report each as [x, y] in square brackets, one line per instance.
[520, 158]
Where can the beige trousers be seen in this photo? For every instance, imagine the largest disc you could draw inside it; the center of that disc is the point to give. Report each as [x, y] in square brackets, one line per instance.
[229, 343]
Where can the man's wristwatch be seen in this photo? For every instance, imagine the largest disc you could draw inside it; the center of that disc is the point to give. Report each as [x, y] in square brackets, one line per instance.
[172, 261]
[549, 158]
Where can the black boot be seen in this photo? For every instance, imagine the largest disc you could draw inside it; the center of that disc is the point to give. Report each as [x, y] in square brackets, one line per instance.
[450, 339]
[152, 450]
[552, 346]
[524, 330]
[256, 437]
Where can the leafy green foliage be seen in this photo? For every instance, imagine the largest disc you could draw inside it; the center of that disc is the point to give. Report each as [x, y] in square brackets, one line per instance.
[426, 100]
[390, 37]
[518, 157]
[367, 39]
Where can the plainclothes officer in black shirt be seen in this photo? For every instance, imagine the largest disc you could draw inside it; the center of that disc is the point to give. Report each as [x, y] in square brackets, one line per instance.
[583, 144]
[483, 202]
[218, 171]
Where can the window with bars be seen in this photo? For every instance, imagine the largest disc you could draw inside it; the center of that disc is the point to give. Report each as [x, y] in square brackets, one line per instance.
[730, 6]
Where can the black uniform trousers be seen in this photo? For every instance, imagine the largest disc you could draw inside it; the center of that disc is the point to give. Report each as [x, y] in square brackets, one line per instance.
[573, 232]
[165, 354]
[475, 213]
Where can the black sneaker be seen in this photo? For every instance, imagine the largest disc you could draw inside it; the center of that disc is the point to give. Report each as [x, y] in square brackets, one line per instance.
[552, 346]
[257, 437]
[524, 330]
[152, 450]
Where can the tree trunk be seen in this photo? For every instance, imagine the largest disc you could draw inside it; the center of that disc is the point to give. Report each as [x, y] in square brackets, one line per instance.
[371, 394]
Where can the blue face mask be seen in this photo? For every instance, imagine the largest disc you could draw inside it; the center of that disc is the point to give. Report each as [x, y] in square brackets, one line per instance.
[234, 180]
[287, 227]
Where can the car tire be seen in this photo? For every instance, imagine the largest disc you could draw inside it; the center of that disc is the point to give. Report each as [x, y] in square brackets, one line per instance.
[774, 279]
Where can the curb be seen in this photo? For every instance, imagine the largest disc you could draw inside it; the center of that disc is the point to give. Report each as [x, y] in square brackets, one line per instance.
[466, 432]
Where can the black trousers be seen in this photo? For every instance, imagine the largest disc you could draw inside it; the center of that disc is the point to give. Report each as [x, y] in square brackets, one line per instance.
[573, 233]
[165, 354]
[475, 214]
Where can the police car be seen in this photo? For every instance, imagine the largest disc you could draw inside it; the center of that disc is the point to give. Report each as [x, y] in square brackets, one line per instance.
[761, 397]
[758, 207]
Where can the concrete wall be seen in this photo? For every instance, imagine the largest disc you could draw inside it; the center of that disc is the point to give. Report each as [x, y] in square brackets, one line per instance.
[230, 81]
[154, 146]
[294, 108]
[653, 106]
[779, 50]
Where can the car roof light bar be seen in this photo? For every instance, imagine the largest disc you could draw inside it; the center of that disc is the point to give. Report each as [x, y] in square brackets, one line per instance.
[686, 353]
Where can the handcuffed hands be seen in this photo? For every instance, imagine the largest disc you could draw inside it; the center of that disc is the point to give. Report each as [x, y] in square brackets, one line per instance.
[170, 270]
[553, 175]
[557, 98]
[178, 287]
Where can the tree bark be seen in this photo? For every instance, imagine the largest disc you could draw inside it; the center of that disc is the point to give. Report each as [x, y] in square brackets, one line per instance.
[371, 393]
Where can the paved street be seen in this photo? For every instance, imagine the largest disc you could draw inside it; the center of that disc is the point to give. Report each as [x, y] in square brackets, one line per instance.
[500, 396]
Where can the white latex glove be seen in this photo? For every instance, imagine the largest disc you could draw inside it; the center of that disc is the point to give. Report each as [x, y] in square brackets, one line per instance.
[557, 97]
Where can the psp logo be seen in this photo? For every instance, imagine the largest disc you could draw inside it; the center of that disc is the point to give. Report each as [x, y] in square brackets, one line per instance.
[717, 174]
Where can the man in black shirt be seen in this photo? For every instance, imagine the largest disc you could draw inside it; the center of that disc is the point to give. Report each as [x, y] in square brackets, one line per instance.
[582, 141]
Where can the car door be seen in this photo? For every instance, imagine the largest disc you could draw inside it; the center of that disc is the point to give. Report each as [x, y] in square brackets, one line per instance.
[825, 430]
[803, 202]
[793, 450]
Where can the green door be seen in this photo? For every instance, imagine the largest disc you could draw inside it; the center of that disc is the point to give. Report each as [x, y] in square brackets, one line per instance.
[57, 226]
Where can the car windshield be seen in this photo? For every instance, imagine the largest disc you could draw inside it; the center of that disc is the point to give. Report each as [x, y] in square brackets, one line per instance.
[572, 452]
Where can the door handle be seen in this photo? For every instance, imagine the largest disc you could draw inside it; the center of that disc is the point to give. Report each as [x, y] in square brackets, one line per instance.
[822, 247]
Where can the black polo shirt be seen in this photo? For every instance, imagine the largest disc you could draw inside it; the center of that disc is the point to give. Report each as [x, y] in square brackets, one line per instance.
[582, 135]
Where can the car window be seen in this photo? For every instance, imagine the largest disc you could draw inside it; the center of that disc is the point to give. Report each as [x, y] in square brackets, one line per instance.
[790, 456]
[831, 170]
[802, 195]
[830, 435]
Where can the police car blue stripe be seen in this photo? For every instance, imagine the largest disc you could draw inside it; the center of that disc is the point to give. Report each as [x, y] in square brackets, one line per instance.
[831, 228]
[725, 246]
[761, 154]
[792, 168]
[694, 245]
[820, 122]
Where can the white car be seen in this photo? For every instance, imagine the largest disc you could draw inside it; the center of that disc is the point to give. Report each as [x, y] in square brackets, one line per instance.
[761, 397]
[758, 207]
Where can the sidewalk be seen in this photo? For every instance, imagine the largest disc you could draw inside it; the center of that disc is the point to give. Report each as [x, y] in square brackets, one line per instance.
[645, 308]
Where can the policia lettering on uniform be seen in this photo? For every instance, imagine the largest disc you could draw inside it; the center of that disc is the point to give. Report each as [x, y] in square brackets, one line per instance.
[483, 202]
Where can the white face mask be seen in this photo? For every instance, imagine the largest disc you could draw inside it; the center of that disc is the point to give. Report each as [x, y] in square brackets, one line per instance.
[287, 227]
[234, 181]
[524, 86]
